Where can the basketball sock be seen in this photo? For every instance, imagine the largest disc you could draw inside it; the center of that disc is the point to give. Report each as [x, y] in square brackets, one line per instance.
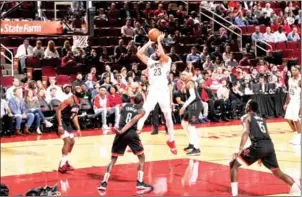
[234, 186]
[64, 159]
[170, 126]
[194, 138]
[140, 176]
[106, 177]
[185, 125]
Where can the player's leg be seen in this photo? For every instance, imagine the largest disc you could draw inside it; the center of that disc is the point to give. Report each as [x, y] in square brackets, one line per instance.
[148, 106]
[63, 167]
[297, 139]
[270, 161]
[234, 165]
[71, 144]
[195, 140]
[185, 125]
[118, 149]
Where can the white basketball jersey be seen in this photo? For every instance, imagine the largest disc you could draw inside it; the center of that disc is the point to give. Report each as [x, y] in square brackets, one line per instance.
[294, 90]
[158, 73]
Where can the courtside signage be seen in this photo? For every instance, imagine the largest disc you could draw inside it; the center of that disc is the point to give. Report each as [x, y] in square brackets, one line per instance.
[31, 27]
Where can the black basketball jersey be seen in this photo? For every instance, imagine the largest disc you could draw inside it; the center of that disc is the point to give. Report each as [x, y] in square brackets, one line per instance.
[128, 112]
[258, 129]
[69, 112]
[196, 93]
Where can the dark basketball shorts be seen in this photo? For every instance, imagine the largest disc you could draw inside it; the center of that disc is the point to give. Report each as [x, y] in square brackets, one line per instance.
[131, 139]
[192, 113]
[68, 128]
[264, 151]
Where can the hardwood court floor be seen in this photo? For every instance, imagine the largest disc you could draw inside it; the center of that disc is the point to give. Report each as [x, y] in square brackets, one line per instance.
[29, 162]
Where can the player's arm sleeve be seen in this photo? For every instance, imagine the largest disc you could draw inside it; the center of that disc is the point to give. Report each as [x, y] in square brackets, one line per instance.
[190, 99]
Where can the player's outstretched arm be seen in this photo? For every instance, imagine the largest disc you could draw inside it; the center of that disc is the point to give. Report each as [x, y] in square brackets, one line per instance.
[161, 50]
[141, 52]
[133, 121]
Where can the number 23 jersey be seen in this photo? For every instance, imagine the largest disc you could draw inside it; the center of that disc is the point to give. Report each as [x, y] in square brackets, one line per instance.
[158, 73]
[258, 129]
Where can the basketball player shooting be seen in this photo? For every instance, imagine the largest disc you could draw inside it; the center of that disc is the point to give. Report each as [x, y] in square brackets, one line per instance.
[292, 104]
[261, 149]
[126, 135]
[67, 116]
[158, 68]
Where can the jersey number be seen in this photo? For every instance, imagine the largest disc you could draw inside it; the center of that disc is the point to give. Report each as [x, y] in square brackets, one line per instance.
[157, 71]
[261, 126]
[129, 117]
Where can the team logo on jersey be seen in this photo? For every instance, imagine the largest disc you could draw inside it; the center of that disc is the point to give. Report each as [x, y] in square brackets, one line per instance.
[246, 152]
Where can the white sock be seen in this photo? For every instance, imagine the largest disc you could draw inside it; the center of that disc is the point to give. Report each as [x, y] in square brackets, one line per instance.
[106, 177]
[140, 176]
[234, 186]
[64, 159]
[194, 139]
[185, 125]
[170, 126]
[295, 189]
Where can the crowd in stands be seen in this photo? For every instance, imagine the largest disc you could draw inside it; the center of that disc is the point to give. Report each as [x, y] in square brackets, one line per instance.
[223, 77]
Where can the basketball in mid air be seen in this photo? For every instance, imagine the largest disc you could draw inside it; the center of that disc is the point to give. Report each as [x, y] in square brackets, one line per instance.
[153, 34]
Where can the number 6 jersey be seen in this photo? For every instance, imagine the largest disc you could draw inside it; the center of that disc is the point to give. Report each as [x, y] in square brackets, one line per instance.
[158, 73]
[128, 112]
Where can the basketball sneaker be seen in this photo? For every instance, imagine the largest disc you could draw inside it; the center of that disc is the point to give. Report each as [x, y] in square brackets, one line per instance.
[142, 185]
[189, 148]
[63, 169]
[102, 186]
[194, 152]
[69, 167]
[172, 147]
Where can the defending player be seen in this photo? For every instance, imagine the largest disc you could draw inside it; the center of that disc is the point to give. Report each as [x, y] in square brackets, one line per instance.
[67, 116]
[262, 148]
[126, 135]
[191, 110]
[158, 66]
[292, 104]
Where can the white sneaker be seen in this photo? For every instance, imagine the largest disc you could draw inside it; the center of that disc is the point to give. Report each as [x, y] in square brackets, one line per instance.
[48, 124]
[293, 139]
[39, 131]
[105, 127]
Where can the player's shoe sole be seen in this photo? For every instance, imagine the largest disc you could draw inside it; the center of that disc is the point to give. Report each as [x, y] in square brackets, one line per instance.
[172, 147]
[102, 186]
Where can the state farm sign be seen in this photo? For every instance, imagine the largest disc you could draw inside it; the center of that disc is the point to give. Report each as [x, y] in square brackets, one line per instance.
[30, 27]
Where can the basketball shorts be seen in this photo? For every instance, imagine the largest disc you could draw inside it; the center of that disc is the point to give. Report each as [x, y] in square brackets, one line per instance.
[160, 96]
[292, 111]
[192, 112]
[68, 128]
[129, 138]
[262, 150]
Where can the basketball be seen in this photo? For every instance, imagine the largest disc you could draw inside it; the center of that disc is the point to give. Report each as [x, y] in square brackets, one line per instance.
[153, 34]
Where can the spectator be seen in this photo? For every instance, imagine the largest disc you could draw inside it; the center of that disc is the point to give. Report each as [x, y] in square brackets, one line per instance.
[240, 20]
[120, 52]
[89, 83]
[79, 80]
[95, 91]
[68, 60]
[293, 36]
[148, 12]
[19, 110]
[286, 27]
[6, 116]
[101, 106]
[79, 55]
[112, 11]
[53, 95]
[66, 48]
[193, 56]
[51, 51]
[127, 30]
[101, 15]
[107, 82]
[226, 56]
[252, 20]
[257, 35]
[115, 102]
[170, 10]
[10, 90]
[174, 56]
[33, 106]
[216, 53]
[104, 57]
[280, 35]
[92, 58]
[245, 61]
[265, 19]
[231, 62]
[160, 10]
[268, 10]
[38, 51]
[140, 38]
[268, 36]
[261, 87]
[218, 63]
[138, 27]
[223, 91]
[131, 48]
[24, 51]
[52, 82]
[208, 65]
[236, 100]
